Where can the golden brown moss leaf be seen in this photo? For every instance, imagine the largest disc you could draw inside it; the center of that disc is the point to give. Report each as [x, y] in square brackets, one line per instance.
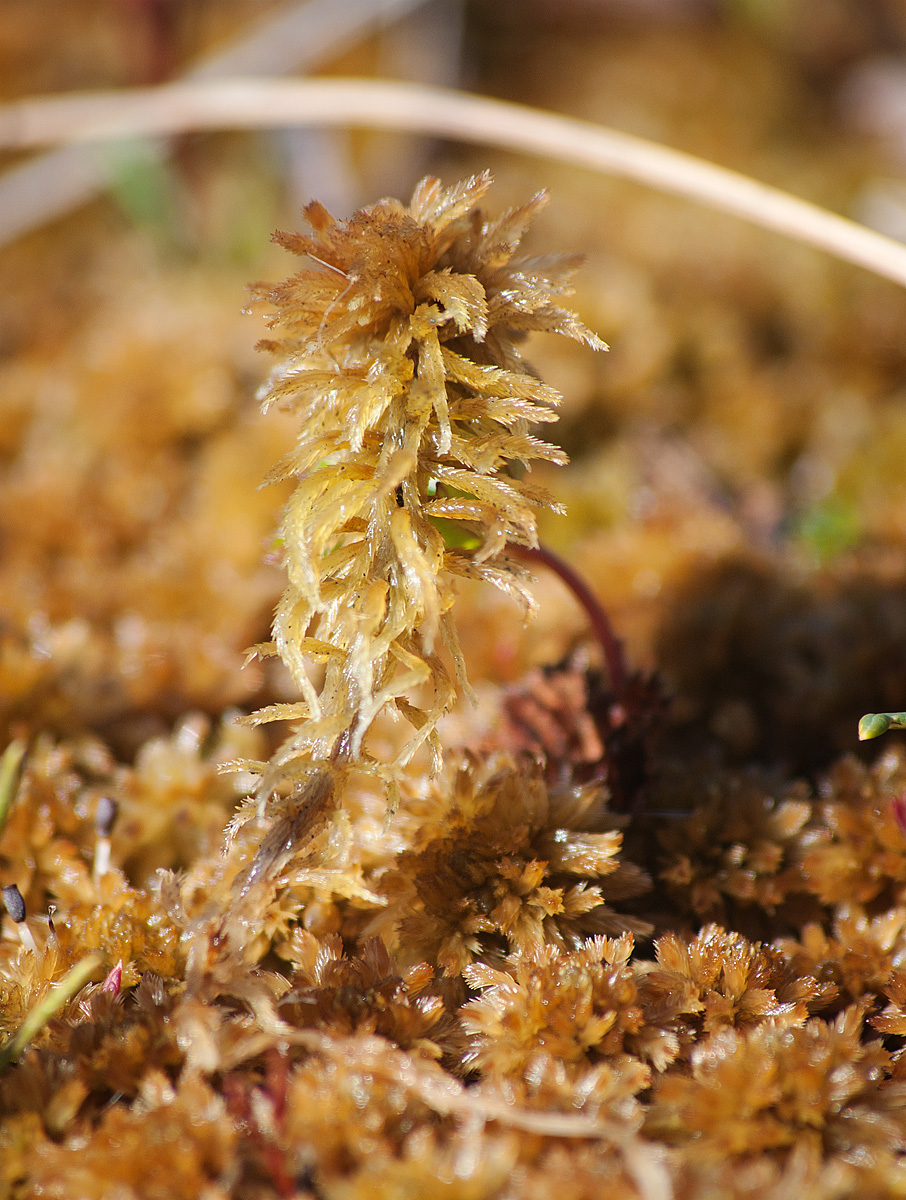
[365, 994]
[573, 1007]
[856, 851]
[721, 980]
[737, 847]
[853, 960]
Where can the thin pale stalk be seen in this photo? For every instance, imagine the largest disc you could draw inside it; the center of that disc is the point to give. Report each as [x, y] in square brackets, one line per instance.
[378, 104]
[296, 38]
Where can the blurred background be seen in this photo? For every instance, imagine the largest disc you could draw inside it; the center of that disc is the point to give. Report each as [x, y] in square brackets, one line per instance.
[737, 491]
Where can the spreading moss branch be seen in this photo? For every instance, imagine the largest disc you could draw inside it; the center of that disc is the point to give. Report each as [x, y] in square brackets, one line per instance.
[400, 352]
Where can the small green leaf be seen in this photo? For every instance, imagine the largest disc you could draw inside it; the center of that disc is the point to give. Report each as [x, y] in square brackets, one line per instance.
[872, 725]
[146, 189]
[829, 529]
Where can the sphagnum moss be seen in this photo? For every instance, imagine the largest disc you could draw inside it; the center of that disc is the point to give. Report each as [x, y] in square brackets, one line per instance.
[254, 1041]
[399, 344]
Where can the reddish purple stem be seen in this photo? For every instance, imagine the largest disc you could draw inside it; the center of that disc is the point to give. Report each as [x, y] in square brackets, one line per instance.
[598, 618]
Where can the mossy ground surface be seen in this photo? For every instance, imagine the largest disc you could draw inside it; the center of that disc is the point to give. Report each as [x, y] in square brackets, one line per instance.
[537, 978]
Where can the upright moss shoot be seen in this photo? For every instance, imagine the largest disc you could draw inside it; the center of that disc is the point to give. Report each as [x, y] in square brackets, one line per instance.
[399, 344]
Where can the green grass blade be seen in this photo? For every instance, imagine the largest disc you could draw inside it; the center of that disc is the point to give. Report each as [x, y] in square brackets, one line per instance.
[55, 1000]
[10, 773]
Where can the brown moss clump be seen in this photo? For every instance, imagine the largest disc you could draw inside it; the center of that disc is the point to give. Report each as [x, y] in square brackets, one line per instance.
[780, 667]
[773, 1089]
[290, 993]
[830, 858]
[720, 980]
[357, 1118]
[363, 994]
[132, 571]
[103, 1047]
[856, 851]
[503, 863]
[166, 808]
[736, 851]
[556, 1030]
[854, 959]
[127, 926]
[194, 1146]
[565, 1005]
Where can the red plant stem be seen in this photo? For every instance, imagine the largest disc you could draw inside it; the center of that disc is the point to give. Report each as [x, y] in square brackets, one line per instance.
[597, 616]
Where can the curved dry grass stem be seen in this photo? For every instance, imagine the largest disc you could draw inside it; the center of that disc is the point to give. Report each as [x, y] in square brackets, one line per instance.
[258, 103]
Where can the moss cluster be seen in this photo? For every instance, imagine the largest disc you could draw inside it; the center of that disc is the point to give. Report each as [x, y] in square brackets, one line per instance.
[640, 945]
[586, 943]
[488, 1032]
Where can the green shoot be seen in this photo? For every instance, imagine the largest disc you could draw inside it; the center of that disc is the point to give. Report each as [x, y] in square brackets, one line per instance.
[872, 725]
